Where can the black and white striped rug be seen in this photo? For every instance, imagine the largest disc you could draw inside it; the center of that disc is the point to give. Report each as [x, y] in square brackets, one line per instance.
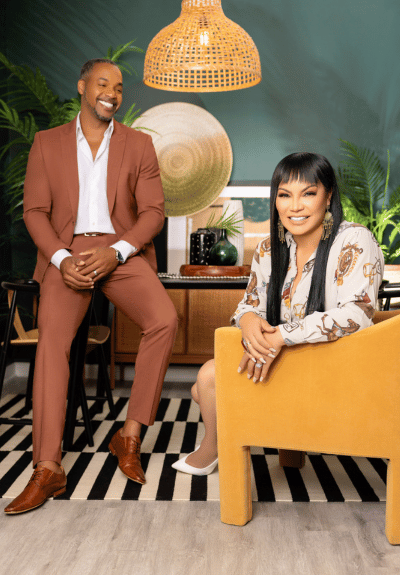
[93, 472]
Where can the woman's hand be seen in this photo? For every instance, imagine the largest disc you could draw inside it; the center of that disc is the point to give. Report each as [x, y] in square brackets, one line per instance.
[254, 328]
[257, 368]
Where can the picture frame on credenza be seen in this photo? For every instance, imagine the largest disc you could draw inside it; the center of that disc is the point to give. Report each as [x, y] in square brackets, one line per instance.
[256, 223]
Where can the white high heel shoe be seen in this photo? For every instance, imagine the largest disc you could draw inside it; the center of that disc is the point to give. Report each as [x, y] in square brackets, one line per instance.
[181, 465]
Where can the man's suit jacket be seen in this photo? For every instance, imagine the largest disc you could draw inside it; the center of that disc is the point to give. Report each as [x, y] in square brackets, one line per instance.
[51, 191]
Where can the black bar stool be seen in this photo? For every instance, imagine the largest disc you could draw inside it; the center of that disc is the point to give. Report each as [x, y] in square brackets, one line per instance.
[94, 335]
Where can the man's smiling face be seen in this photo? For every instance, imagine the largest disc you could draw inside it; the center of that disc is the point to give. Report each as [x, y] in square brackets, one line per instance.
[101, 91]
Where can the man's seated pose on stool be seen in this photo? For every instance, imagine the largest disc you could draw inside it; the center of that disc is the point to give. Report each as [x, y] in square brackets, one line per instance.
[93, 203]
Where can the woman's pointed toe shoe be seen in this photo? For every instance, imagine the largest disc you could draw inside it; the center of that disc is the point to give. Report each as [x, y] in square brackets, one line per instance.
[181, 465]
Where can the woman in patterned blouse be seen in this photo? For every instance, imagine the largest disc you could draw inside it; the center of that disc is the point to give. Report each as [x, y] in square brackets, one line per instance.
[315, 278]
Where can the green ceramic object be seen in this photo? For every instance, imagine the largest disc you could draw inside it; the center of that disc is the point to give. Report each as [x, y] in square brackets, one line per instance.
[223, 253]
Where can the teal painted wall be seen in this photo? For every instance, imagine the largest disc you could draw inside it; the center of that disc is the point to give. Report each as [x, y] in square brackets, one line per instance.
[330, 69]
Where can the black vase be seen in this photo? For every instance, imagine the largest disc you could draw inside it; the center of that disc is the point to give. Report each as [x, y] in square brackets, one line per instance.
[223, 253]
[200, 245]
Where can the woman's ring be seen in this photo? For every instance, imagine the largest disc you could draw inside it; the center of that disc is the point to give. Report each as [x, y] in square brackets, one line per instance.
[95, 272]
[258, 364]
[245, 345]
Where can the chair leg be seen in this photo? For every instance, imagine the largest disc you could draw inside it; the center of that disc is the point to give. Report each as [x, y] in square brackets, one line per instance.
[235, 484]
[393, 502]
[291, 458]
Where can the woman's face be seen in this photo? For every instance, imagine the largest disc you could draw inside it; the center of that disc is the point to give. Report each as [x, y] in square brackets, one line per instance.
[301, 207]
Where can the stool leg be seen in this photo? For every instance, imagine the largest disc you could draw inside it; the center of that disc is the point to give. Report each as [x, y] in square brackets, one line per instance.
[29, 386]
[71, 414]
[7, 338]
[85, 414]
[105, 380]
[77, 363]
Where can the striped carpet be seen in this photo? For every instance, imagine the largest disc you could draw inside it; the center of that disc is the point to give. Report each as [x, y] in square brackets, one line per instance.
[93, 472]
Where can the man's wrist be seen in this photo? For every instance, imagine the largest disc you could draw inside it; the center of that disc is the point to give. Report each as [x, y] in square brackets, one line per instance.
[118, 256]
[126, 250]
[59, 256]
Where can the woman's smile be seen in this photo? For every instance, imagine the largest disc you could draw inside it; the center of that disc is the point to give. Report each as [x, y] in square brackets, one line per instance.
[301, 207]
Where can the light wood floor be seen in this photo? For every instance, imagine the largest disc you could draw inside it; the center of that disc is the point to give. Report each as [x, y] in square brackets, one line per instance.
[162, 538]
[188, 538]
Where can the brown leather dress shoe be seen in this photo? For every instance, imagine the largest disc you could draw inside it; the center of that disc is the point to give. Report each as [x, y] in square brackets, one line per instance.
[127, 449]
[42, 485]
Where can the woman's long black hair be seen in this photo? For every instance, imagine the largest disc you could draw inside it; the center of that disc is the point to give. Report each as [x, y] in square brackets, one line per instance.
[309, 168]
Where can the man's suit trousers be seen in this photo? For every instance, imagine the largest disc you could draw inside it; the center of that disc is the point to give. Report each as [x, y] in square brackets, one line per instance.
[134, 289]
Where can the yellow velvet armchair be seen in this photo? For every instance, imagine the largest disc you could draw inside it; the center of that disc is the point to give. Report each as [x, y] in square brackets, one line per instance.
[340, 397]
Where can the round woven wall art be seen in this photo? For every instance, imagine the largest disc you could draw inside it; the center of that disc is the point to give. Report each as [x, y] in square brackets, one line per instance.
[194, 154]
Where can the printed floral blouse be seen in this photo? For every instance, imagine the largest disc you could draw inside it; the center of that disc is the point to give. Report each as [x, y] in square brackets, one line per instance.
[353, 276]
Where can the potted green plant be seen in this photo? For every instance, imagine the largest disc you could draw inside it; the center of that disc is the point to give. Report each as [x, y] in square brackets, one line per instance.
[364, 189]
[228, 249]
[225, 222]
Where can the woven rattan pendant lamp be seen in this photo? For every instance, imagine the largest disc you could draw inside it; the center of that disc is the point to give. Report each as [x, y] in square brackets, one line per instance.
[202, 51]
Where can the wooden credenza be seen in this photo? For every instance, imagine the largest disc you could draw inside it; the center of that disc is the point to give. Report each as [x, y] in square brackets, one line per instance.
[200, 313]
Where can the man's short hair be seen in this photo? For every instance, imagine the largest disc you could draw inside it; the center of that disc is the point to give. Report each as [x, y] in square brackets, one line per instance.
[88, 66]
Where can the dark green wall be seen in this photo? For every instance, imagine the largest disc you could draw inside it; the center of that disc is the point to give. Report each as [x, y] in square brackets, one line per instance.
[330, 68]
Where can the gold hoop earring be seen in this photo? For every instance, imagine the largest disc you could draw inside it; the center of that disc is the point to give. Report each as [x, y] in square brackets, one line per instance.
[327, 225]
[281, 231]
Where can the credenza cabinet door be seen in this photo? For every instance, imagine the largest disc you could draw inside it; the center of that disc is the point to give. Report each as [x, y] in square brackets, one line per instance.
[208, 310]
[200, 313]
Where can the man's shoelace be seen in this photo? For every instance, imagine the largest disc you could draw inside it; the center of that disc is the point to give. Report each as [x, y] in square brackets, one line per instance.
[37, 475]
[134, 447]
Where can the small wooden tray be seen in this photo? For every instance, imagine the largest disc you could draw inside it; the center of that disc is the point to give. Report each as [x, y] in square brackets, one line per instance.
[191, 270]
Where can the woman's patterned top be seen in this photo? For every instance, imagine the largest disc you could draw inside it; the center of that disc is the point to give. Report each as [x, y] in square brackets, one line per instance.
[353, 276]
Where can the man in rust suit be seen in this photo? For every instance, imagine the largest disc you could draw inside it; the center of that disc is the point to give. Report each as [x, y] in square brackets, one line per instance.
[93, 203]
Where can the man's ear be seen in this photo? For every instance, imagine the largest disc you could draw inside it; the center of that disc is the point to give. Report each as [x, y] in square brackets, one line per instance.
[81, 86]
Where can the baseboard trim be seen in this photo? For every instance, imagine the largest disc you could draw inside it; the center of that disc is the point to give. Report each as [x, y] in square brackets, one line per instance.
[175, 374]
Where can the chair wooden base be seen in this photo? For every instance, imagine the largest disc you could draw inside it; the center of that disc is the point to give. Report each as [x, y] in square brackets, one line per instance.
[290, 458]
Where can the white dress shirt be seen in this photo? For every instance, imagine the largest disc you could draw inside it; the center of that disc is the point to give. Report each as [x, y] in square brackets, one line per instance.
[93, 214]
[353, 276]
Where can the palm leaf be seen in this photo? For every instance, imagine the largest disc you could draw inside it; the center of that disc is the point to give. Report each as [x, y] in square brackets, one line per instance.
[350, 212]
[10, 120]
[121, 50]
[15, 170]
[13, 178]
[393, 255]
[394, 200]
[395, 231]
[225, 222]
[361, 177]
[33, 87]
[10, 144]
[67, 112]
[383, 219]
[130, 116]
